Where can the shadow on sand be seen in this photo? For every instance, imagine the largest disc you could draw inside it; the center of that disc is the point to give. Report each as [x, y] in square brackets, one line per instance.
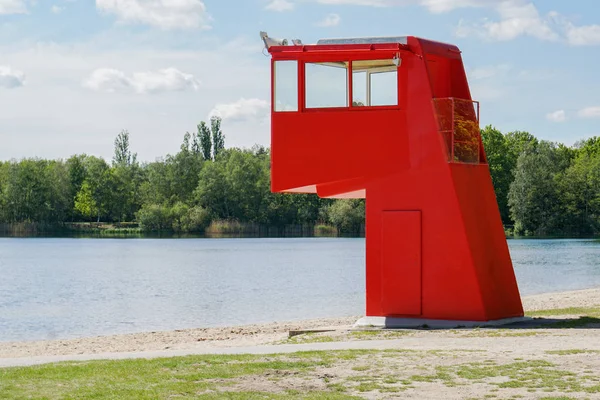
[583, 322]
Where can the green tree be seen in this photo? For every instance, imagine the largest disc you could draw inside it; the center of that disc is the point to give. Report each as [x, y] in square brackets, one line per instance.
[28, 192]
[173, 179]
[77, 173]
[85, 203]
[60, 202]
[4, 170]
[347, 215]
[205, 140]
[501, 168]
[214, 191]
[126, 176]
[517, 142]
[183, 173]
[196, 147]
[248, 182]
[589, 146]
[100, 182]
[579, 188]
[218, 138]
[156, 188]
[123, 156]
[534, 197]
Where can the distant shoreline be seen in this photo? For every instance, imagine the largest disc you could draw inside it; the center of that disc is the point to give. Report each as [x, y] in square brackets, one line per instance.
[134, 234]
[217, 229]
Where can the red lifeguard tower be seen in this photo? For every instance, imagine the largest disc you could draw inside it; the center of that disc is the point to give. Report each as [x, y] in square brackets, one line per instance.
[392, 120]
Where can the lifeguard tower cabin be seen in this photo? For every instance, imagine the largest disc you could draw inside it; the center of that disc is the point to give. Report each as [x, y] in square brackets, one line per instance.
[392, 120]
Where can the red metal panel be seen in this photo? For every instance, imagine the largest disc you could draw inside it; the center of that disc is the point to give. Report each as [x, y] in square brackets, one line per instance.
[449, 260]
[401, 263]
[331, 146]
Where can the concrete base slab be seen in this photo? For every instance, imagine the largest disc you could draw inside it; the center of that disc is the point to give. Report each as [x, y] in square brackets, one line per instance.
[413, 323]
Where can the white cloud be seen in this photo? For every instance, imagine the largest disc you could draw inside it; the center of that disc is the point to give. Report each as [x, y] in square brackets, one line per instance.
[330, 21]
[435, 6]
[517, 18]
[439, 6]
[174, 14]
[589, 112]
[371, 3]
[280, 5]
[587, 35]
[241, 109]
[108, 80]
[557, 116]
[56, 9]
[10, 78]
[34, 123]
[165, 80]
[13, 7]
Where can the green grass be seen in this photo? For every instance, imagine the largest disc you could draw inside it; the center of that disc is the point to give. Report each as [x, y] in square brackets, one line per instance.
[558, 398]
[318, 337]
[532, 375]
[582, 311]
[271, 376]
[441, 375]
[379, 334]
[309, 338]
[570, 352]
[491, 332]
[366, 333]
[198, 377]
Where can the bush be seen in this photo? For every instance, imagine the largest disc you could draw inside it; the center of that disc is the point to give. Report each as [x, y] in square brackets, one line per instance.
[177, 215]
[180, 218]
[347, 215]
[197, 219]
[232, 227]
[325, 230]
[154, 217]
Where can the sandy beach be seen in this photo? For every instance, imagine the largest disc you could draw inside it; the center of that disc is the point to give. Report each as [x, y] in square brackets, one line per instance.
[555, 355]
[267, 334]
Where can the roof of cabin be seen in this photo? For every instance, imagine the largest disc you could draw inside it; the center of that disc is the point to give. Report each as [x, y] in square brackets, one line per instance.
[365, 40]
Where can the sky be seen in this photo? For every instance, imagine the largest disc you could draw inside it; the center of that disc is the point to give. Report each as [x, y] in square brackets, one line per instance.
[74, 73]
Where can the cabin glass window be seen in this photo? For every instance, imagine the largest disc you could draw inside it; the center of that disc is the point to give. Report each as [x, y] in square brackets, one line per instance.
[374, 83]
[326, 84]
[286, 86]
[359, 88]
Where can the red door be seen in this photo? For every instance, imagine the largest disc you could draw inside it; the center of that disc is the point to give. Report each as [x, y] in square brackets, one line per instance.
[401, 258]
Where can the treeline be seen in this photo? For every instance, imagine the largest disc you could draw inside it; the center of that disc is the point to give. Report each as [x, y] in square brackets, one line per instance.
[542, 188]
[202, 184]
[545, 188]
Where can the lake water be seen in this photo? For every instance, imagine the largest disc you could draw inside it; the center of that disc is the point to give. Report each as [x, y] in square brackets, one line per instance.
[66, 288]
